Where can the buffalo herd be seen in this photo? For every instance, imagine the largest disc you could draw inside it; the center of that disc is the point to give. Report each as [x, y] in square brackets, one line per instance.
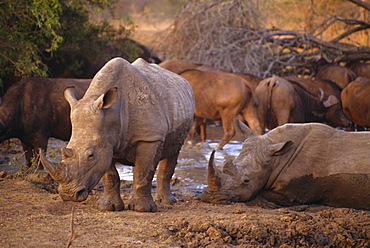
[140, 113]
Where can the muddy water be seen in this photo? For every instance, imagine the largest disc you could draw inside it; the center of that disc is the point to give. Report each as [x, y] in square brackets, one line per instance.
[192, 162]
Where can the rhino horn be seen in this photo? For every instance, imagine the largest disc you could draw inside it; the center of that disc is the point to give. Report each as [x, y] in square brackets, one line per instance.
[56, 170]
[214, 174]
[242, 128]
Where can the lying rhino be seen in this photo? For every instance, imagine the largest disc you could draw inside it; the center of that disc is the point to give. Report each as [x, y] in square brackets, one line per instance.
[34, 110]
[139, 113]
[296, 164]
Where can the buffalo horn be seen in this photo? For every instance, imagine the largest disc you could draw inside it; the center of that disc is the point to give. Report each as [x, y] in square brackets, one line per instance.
[56, 170]
[214, 180]
[321, 95]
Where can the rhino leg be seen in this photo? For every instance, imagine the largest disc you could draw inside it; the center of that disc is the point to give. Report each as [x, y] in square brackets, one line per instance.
[164, 175]
[111, 199]
[146, 161]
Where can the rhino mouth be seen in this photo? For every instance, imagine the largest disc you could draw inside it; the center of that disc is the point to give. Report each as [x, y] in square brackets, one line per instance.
[79, 194]
[218, 197]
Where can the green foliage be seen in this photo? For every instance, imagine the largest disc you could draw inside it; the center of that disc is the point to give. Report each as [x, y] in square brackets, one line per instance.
[26, 28]
[38, 34]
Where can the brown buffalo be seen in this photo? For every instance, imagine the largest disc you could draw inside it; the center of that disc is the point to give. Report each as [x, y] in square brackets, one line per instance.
[316, 85]
[250, 78]
[356, 101]
[179, 65]
[361, 69]
[281, 101]
[342, 76]
[220, 96]
[35, 109]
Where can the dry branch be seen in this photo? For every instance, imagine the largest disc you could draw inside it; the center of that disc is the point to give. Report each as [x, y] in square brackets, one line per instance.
[227, 34]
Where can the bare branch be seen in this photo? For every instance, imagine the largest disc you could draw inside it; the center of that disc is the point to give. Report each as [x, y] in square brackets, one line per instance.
[361, 4]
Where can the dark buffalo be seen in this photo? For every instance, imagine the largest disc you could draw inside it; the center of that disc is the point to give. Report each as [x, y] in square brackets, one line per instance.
[340, 75]
[316, 85]
[361, 69]
[296, 164]
[35, 109]
[220, 96]
[281, 101]
[356, 101]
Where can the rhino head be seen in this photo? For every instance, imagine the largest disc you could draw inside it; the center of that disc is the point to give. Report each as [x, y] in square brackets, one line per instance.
[89, 152]
[241, 179]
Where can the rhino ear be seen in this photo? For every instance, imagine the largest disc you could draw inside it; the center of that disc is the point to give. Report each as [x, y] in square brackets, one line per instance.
[70, 95]
[107, 100]
[229, 168]
[278, 149]
[242, 128]
[332, 100]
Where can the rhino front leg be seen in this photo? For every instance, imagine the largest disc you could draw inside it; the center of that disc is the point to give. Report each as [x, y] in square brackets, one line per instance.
[111, 199]
[146, 161]
[164, 175]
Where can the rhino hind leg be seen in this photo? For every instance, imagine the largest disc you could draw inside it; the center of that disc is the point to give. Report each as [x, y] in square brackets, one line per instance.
[164, 175]
[146, 161]
[111, 199]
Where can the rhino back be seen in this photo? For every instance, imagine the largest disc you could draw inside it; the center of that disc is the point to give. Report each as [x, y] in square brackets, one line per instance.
[152, 101]
[323, 165]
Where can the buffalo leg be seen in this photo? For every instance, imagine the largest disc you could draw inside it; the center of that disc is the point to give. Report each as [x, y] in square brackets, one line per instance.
[146, 161]
[229, 130]
[111, 199]
[250, 116]
[30, 149]
[164, 175]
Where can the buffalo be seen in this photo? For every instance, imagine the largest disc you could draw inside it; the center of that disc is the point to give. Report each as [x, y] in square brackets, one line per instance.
[295, 164]
[340, 75]
[361, 69]
[356, 101]
[220, 96]
[316, 85]
[34, 109]
[179, 65]
[281, 101]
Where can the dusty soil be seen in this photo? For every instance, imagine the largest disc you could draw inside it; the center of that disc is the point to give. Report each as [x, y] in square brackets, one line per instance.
[33, 215]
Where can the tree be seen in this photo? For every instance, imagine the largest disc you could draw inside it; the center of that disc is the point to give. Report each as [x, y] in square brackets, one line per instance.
[234, 34]
[27, 27]
[35, 35]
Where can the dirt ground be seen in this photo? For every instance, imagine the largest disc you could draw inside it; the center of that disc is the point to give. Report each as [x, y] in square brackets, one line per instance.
[33, 215]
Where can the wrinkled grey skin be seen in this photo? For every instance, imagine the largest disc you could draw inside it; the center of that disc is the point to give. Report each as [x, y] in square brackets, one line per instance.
[296, 164]
[139, 113]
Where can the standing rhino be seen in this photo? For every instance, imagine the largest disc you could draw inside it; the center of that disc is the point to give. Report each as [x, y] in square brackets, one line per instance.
[296, 164]
[34, 110]
[139, 113]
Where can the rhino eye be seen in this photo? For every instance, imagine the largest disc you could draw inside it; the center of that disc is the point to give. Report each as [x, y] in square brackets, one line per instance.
[90, 155]
[246, 181]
